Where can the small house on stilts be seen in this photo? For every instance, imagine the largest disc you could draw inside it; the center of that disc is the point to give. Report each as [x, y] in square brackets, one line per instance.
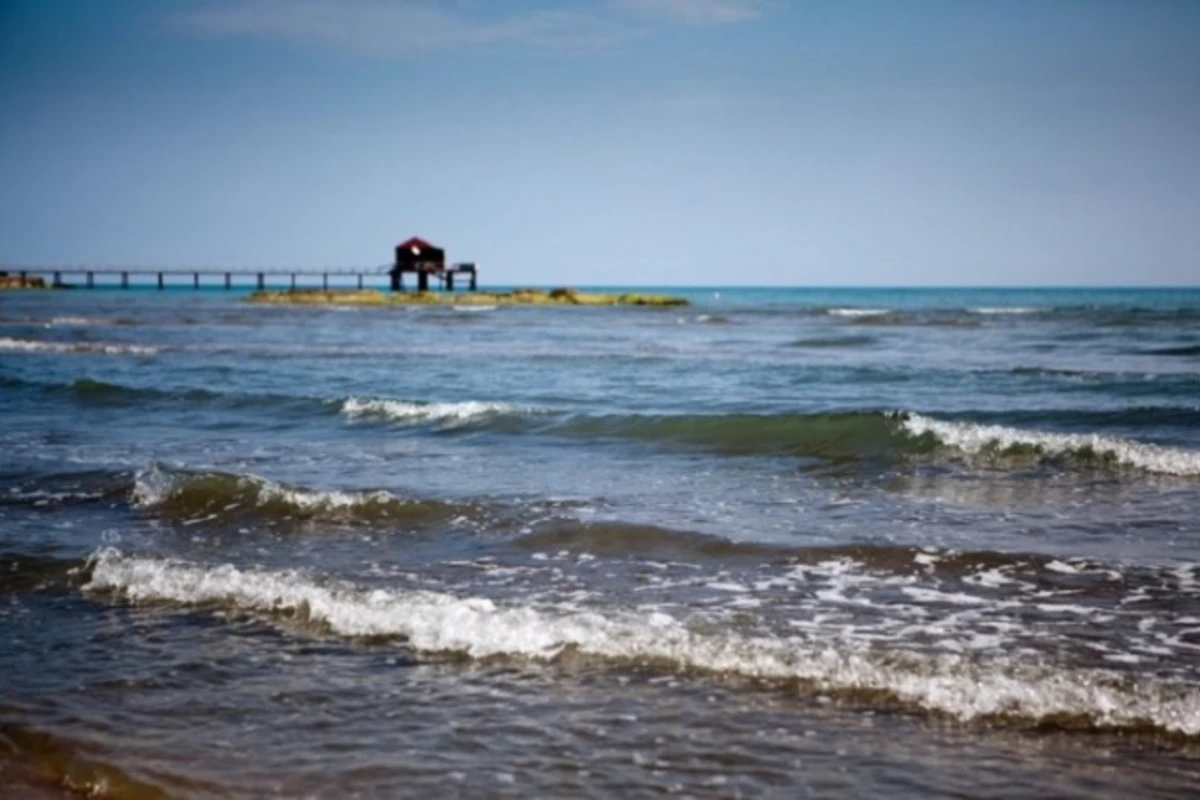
[419, 256]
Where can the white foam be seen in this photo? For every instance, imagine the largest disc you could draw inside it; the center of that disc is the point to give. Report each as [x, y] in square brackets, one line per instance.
[403, 411]
[857, 312]
[1004, 310]
[963, 686]
[973, 439]
[36, 346]
[79, 321]
[990, 578]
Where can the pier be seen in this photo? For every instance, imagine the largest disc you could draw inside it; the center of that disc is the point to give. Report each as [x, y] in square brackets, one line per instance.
[90, 277]
[414, 255]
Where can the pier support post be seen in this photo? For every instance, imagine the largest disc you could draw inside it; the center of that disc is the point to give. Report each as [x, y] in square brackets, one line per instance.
[325, 281]
[449, 281]
[196, 280]
[124, 279]
[262, 284]
[228, 280]
[293, 281]
[422, 281]
[161, 286]
[57, 278]
[360, 281]
[24, 278]
[473, 274]
[91, 280]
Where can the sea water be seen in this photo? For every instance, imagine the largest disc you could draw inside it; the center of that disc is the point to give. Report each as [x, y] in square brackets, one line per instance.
[780, 542]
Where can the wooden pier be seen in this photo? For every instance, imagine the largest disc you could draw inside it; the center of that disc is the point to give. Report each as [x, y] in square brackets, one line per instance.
[414, 255]
[125, 277]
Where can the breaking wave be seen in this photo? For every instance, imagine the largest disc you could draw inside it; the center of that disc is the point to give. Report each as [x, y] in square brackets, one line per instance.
[968, 686]
[857, 312]
[448, 414]
[889, 437]
[975, 439]
[201, 497]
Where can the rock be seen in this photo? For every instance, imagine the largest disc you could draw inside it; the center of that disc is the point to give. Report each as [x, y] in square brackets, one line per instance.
[531, 297]
[17, 282]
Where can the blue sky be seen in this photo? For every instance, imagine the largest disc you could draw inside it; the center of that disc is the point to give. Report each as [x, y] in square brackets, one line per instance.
[979, 142]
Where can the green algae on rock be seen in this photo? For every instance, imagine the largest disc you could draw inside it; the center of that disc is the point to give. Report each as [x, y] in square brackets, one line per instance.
[526, 297]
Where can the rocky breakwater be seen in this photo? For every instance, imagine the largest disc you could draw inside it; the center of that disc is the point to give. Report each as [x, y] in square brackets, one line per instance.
[525, 297]
[8, 281]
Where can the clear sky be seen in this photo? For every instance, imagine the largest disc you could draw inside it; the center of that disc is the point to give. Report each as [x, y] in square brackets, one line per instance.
[838, 142]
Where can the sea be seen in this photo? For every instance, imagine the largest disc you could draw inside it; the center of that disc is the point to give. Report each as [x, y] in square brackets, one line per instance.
[782, 542]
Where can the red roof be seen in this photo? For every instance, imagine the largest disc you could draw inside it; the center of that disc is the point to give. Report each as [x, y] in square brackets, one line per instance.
[418, 242]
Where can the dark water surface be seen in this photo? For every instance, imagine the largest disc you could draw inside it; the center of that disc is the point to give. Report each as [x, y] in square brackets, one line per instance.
[886, 543]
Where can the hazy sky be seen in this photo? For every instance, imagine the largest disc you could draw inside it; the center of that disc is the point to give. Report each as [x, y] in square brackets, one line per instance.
[709, 142]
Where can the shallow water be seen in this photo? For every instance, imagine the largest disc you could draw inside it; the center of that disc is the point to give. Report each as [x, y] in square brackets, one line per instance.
[895, 543]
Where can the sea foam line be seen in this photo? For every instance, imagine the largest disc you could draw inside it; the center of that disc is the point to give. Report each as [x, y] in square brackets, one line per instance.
[404, 411]
[35, 346]
[858, 312]
[76, 321]
[973, 439]
[479, 627]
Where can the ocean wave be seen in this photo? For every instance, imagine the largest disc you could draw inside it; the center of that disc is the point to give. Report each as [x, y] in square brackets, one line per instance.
[96, 392]
[77, 321]
[88, 322]
[57, 489]
[448, 414]
[834, 436]
[857, 312]
[203, 497]
[987, 684]
[991, 310]
[22, 572]
[48, 764]
[976, 439]
[823, 342]
[615, 538]
[710, 319]
[1182, 351]
[39, 346]
[92, 391]
[892, 437]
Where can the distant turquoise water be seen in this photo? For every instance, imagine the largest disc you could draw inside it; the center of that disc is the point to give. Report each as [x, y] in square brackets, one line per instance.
[860, 542]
